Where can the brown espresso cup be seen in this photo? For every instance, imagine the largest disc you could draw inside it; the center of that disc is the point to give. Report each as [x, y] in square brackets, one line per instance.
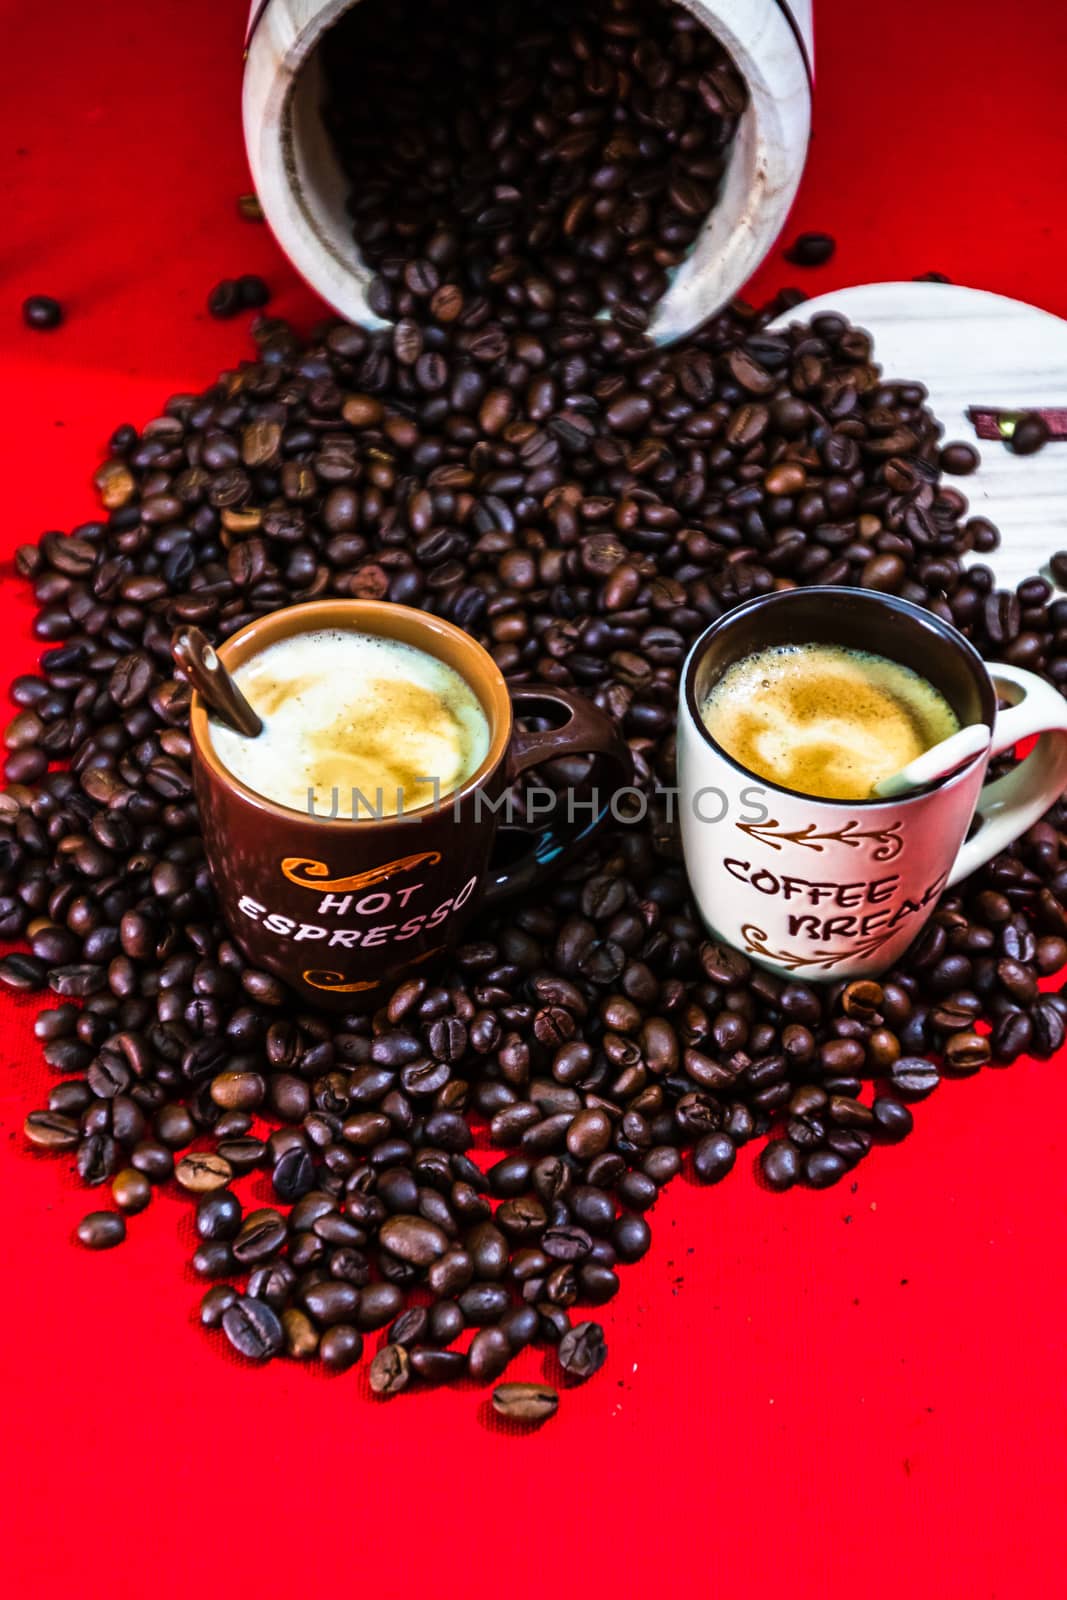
[342, 908]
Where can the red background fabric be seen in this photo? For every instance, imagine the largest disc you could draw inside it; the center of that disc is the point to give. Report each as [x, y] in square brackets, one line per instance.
[858, 1391]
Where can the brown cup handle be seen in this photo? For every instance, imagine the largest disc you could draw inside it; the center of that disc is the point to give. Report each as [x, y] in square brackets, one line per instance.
[586, 731]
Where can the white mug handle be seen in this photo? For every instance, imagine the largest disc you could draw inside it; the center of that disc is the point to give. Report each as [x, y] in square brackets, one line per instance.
[1010, 805]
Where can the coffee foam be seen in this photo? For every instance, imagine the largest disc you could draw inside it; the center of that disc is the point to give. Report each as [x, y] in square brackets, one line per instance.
[825, 720]
[344, 712]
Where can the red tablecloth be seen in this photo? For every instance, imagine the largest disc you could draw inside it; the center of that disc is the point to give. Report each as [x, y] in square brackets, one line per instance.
[858, 1391]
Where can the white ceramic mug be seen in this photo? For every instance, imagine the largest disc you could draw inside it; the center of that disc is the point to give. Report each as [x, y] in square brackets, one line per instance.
[834, 889]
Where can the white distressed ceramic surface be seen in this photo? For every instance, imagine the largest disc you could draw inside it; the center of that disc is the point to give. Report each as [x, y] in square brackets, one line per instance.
[302, 189]
[970, 347]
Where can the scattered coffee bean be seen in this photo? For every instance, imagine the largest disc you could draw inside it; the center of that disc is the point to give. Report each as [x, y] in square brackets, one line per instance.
[913, 1078]
[525, 1402]
[894, 1120]
[811, 249]
[253, 292]
[713, 1157]
[301, 1335]
[583, 1351]
[1030, 434]
[340, 1347]
[958, 458]
[101, 1230]
[253, 1329]
[824, 1167]
[390, 1370]
[203, 1172]
[42, 312]
[225, 301]
[780, 1163]
[132, 1190]
[216, 1302]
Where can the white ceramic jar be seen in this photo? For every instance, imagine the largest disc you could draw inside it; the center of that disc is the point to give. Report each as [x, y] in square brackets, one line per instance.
[302, 189]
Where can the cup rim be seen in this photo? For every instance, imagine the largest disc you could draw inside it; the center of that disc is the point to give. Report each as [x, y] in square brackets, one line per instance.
[364, 616]
[935, 624]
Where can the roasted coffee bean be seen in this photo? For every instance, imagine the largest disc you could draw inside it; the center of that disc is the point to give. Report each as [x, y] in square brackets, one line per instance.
[565, 1242]
[966, 1052]
[301, 1336]
[332, 1302]
[379, 1303]
[272, 1282]
[824, 1167]
[42, 312]
[780, 1163]
[811, 249]
[413, 1239]
[214, 1260]
[261, 1235]
[410, 1326]
[862, 1000]
[438, 1366]
[216, 1302]
[97, 1158]
[340, 1348]
[631, 1237]
[589, 1133]
[154, 1160]
[1030, 434]
[713, 1157]
[253, 292]
[851, 1144]
[132, 1190]
[50, 1130]
[293, 1175]
[1011, 1036]
[958, 458]
[913, 1078]
[894, 1120]
[1048, 1028]
[202, 1172]
[225, 299]
[525, 1402]
[19, 971]
[483, 1303]
[488, 1250]
[446, 1322]
[583, 1351]
[218, 1215]
[390, 1370]
[101, 1230]
[489, 1354]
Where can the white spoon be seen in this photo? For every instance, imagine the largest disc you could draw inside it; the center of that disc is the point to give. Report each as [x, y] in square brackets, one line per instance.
[937, 762]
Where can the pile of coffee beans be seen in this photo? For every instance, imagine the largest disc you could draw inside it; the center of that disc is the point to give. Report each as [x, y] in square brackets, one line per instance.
[586, 506]
[563, 156]
[470, 1165]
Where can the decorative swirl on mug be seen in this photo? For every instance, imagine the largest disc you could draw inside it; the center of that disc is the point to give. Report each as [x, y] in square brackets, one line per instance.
[336, 982]
[823, 960]
[316, 874]
[887, 841]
